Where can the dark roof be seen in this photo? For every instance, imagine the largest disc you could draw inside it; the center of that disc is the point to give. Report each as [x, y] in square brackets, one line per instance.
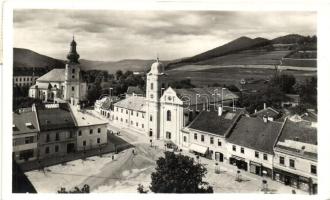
[205, 95]
[55, 118]
[209, 121]
[268, 112]
[300, 131]
[135, 90]
[254, 133]
[309, 116]
[55, 75]
[108, 101]
[133, 103]
[293, 97]
[20, 120]
[297, 152]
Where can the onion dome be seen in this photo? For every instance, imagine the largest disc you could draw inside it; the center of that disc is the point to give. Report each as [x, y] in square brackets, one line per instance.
[73, 56]
[157, 67]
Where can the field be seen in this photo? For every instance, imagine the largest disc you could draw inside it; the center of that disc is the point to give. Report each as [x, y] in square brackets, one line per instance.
[201, 76]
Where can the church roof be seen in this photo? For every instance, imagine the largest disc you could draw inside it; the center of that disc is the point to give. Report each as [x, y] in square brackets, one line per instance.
[133, 103]
[202, 95]
[55, 75]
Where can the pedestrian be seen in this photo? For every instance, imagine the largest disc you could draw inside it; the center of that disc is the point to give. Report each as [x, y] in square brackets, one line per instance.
[113, 157]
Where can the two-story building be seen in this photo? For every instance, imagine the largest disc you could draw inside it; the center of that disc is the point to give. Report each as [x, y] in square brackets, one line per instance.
[25, 135]
[250, 144]
[57, 130]
[295, 160]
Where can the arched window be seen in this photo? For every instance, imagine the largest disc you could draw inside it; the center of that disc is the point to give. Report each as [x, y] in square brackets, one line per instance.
[168, 115]
[151, 86]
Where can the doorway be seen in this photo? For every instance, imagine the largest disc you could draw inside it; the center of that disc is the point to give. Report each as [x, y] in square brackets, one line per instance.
[70, 148]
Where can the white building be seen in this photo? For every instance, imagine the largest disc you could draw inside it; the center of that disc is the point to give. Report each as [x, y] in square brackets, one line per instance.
[60, 85]
[24, 80]
[165, 111]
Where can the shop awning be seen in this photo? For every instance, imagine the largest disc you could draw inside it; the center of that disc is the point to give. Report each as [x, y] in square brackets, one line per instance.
[238, 158]
[254, 163]
[198, 148]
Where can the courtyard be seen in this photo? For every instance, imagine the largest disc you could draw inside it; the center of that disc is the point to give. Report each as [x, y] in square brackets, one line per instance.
[123, 172]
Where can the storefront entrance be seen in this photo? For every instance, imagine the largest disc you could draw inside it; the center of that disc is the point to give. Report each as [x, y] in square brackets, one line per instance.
[70, 148]
[238, 162]
[219, 156]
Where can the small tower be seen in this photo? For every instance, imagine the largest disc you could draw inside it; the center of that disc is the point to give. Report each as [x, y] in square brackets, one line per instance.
[154, 89]
[72, 75]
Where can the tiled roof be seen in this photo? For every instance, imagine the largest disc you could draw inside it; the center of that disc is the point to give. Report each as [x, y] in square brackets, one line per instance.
[203, 95]
[300, 131]
[55, 118]
[85, 119]
[268, 112]
[211, 122]
[133, 103]
[106, 102]
[135, 90]
[20, 120]
[55, 75]
[254, 133]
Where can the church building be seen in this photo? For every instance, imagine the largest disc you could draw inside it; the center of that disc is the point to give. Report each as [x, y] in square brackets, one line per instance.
[62, 85]
[165, 111]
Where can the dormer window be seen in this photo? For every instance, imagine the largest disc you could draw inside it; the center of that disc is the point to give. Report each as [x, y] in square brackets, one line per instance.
[29, 125]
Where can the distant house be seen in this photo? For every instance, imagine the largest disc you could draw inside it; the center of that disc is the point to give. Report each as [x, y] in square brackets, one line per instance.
[293, 100]
[295, 160]
[104, 106]
[270, 113]
[134, 91]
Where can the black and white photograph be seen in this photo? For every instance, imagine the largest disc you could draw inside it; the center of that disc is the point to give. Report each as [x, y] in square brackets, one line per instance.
[164, 101]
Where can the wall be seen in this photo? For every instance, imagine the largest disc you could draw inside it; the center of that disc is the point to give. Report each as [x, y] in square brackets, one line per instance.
[125, 117]
[91, 139]
[19, 145]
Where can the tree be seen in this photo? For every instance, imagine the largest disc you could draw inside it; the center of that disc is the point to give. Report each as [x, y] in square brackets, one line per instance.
[84, 189]
[94, 93]
[179, 174]
[185, 83]
[141, 189]
[285, 82]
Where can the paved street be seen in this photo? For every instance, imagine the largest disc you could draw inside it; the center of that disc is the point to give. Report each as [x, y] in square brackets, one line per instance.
[126, 171]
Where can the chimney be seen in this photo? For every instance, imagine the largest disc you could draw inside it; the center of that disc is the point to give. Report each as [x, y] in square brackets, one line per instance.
[219, 111]
[265, 118]
[265, 106]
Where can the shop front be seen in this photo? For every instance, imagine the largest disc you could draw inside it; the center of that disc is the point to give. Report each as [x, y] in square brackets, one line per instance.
[286, 178]
[255, 168]
[199, 150]
[239, 162]
[219, 156]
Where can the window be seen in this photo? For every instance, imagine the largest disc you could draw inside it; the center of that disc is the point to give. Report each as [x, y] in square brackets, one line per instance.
[234, 148]
[281, 160]
[47, 138]
[313, 169]
[211, 140]
[168, 135]
[137, 124]
[184, 138]
[84, 143]
[151, 118]
[56, 148]
[121, 119]
[151, 96]
[195, 136]
[28, 140]
[126, 111]
[132, 112]
[116, 118]
[47, 150]
[137, 114]
[73, 76]
[202, 138]
[142, 125]
[79, 133]
[98, 140]
[168, 115]
[117, 109]
[72, 88]
[151, 86]
[71, 134]
[90, 131]
[265, 156]
[126, 120]
[150, 133]
[142, 115]
[292, 163]
[121, 110]
[99, 130]
[73, 71]
[131, 122]
[57, 137]
[256, 154]
[219, 143]
[242, 150]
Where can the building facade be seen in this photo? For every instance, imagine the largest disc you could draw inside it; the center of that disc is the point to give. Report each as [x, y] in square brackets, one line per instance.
[24, 80]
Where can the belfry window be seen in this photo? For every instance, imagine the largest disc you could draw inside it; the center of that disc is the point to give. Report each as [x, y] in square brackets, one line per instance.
[72, 88]
[73, 71]
[151, 86]
[168, 115]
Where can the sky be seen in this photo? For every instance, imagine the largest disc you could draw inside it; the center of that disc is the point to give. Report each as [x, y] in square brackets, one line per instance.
[111, 35]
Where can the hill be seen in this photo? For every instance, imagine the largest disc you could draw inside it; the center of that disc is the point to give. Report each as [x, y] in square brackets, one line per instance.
[242, 43]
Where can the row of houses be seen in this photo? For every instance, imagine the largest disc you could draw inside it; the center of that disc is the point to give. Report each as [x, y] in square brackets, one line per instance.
[285, 151]
[53, 130]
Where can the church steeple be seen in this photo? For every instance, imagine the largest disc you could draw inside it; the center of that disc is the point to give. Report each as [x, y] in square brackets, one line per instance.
[73, 56]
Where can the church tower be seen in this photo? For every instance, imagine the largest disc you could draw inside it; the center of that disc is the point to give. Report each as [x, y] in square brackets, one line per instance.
[72, 73]
[155, 86]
